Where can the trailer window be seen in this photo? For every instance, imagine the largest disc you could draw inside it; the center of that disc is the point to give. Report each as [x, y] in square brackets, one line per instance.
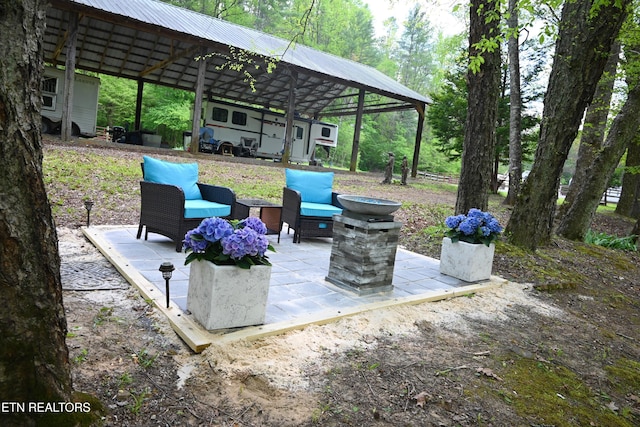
[299, 132]
[220, 114]
[50, 84]
[326, 132]
[48, 102]
[239, 118]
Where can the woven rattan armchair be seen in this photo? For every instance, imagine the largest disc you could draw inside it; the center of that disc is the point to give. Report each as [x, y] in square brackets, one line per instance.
[165, 210]
[310, 215]
[305, 225]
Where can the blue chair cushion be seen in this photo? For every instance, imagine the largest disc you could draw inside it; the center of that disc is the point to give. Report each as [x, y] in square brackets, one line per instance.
[314, 187]
[318, 209]
[184, 175]
[204, 209]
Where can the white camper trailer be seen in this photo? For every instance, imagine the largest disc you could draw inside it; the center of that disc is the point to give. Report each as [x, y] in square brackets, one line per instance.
[260, 133]
[85, 102]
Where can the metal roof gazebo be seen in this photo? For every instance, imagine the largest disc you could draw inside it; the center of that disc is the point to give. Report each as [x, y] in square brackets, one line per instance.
[154, 42]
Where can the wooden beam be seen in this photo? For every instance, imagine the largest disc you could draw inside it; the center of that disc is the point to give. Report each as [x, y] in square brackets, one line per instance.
[139, 96]
[416, 148]
[291, 111]
[69, 77]
[185, 52]
[356, 134]
[197, 106]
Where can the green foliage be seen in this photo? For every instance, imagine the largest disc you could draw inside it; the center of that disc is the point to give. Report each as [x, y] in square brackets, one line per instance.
[103, 315]
[602, 239]
[447, 118]
[414, 53]
[138, 399]
[117, 100]
[82, 356]
[448, 114]
[145, 359]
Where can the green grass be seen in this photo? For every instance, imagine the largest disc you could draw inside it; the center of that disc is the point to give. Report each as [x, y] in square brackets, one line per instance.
[608, 241]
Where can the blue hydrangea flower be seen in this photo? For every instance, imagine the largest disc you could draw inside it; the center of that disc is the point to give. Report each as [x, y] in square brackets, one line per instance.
[243, 242]
[470, 225]
[194, 241]
[494, 226]
[474, 227]
[254, 223]
[228, 242]
[214, 229]
[454, 221]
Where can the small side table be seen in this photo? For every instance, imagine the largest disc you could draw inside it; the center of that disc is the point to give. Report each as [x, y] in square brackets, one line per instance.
[270, 213]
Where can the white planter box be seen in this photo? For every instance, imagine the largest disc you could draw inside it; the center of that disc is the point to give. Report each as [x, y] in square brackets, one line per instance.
[226, 296]
[466, 261]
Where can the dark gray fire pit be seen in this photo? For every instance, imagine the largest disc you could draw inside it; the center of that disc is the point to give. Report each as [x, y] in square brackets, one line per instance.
[365, 240]
[368, 205]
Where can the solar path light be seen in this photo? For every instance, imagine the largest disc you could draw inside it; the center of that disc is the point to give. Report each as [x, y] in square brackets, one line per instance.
[167, 268]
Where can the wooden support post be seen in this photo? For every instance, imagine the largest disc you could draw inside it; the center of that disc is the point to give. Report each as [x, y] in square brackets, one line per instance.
[139, 96]
[69, 75]
[291, 111]
[197, 105]
[416, 148]
[356, 134]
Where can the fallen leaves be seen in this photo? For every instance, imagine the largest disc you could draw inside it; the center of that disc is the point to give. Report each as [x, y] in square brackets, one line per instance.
[488, 373]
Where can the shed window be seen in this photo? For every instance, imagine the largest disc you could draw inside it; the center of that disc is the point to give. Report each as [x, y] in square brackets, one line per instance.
[50, 85]
[48, 102]
[220, 114]
[239, 118]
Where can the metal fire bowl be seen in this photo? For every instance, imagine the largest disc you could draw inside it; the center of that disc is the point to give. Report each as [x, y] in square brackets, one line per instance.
[368, 205]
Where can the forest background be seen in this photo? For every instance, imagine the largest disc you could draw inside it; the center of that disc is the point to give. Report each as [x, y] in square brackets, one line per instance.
[414, 51]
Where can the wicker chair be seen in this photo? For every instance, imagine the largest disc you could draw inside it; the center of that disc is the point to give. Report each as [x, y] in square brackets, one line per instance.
[165, 210]
[308, 204]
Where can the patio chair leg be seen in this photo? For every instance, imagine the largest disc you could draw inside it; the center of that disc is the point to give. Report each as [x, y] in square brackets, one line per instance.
[139, 231]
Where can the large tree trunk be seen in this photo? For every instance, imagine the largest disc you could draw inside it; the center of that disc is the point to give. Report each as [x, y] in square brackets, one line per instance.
[577, 220]
[582, 50]
[484, 89]
[593, 131]
[515, 108]
[636, 231]
[629, 203]
[34, 360]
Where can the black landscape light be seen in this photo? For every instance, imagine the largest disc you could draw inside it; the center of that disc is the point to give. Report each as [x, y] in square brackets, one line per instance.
[88, 204]
[167, 268]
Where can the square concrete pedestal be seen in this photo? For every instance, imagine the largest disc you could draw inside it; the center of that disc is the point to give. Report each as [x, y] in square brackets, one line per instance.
[363, 253]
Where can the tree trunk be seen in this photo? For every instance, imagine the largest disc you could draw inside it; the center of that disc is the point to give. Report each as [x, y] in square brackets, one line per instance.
[484, 89]
[630, 195]
[582, 50]
[593, 131]
[34, 360]
[515, 108]
[636, 231]
[577, 220]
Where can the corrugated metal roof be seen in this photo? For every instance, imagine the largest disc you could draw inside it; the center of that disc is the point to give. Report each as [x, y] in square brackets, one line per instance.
[157, 42]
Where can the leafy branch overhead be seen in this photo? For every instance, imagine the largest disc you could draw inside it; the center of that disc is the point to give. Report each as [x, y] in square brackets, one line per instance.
[244, 62]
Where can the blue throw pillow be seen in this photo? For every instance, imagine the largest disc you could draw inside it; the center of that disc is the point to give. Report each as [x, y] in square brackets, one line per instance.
[184, 175]
[314, 187]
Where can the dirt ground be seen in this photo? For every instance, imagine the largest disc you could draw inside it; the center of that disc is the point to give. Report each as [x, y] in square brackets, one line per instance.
[557, 345]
